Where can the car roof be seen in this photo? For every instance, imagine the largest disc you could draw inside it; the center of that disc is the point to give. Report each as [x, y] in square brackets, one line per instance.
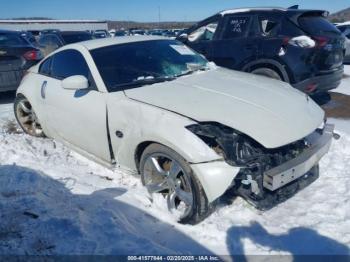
[98, 43]
[11, 32]
[266, 9]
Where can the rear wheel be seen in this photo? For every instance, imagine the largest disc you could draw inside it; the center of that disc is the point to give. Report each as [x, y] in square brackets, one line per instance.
[27, 118]
[267, 72]
[165, 172]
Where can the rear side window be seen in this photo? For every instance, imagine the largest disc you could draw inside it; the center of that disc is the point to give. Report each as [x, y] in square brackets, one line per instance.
[268, 26]
[316, 25]
[236, 26]
[45, 67]
[69, 63]
[12, 40]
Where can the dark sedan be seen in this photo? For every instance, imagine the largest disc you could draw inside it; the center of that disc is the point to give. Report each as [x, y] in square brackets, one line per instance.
[17, 55]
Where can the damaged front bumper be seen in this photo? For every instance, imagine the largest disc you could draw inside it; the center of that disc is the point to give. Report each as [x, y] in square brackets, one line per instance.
[318, 145]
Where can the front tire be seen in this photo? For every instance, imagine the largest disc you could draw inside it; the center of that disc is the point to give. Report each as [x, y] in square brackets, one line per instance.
[27, 118]
[166, 172]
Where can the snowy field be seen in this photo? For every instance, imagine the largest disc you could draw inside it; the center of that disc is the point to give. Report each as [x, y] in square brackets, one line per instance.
[54, 201]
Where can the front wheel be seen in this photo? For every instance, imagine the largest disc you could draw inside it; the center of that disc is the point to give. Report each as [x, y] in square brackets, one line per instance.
[166, 172]
[27, 118]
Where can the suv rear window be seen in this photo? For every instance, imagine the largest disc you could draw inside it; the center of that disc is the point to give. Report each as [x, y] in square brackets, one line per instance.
[316, 25]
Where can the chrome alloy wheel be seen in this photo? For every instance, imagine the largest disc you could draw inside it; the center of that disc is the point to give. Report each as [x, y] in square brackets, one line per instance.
[165, 175]
[27, 118]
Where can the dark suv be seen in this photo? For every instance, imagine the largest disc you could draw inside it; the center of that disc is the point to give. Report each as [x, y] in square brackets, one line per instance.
[297, 46]
[50, 40]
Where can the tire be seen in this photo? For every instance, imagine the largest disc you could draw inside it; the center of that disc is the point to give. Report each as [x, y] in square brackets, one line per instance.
[26, 117]
[267, 72]
[200, 207]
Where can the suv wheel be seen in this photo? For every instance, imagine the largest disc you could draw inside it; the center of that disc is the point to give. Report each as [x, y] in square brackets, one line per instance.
[165, 172]
[267, 72]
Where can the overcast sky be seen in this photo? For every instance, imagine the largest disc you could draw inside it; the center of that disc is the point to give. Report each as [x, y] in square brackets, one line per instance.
[145, 10]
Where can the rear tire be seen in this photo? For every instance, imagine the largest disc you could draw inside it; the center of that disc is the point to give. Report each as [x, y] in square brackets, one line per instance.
[267, 72]
[156, 167]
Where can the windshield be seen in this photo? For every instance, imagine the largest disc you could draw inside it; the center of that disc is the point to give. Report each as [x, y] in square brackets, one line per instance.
[74, 38]
[135, 64]
[317, 25]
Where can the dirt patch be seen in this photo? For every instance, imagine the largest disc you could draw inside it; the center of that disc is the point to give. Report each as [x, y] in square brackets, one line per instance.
[338, 106]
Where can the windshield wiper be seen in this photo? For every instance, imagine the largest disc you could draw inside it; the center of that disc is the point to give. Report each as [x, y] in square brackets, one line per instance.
[142, 82]
[189, 72]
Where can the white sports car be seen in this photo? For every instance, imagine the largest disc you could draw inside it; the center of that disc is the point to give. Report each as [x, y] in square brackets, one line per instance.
[193, 131]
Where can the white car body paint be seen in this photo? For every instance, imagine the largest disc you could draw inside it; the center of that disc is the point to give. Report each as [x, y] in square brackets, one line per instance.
[263, 108]
[271, 112]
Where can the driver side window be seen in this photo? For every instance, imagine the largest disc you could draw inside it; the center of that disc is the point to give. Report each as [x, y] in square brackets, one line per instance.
[69, 63]
[205, 32]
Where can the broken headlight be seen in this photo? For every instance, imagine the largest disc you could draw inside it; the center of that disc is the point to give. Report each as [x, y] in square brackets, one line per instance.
[236, 148]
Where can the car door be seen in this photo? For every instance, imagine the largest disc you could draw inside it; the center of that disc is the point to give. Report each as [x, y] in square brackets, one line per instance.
[200, 38]
[236, 43]
[75, 116]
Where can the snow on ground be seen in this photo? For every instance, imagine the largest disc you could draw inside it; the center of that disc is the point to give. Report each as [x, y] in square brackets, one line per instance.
[344, 87]
[54, 201]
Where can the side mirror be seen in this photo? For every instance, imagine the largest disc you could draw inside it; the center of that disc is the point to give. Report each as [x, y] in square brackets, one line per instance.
[77, 82]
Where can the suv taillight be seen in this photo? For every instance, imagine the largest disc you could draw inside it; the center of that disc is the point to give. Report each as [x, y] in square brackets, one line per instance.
[33, 55]
[321, 41]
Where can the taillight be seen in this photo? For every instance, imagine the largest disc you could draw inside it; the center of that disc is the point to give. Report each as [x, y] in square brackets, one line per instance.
[33, 55]
[321, 41]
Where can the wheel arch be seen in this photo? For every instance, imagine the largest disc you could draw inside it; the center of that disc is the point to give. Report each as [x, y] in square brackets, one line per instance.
[140, 148]
[271, 64]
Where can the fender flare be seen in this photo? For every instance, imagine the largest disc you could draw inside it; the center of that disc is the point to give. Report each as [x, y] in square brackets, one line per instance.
[272, 62]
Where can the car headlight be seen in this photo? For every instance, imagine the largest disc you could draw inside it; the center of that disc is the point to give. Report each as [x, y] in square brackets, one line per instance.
[236, 148]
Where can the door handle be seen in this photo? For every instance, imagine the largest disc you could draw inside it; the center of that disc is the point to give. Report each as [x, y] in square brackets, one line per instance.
[43, 89]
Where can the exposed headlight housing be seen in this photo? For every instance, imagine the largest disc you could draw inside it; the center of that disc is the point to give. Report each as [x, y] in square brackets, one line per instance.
[236, 148]
[241, 150]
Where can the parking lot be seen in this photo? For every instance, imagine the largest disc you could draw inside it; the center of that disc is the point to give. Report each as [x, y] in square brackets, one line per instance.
[98, 204]
[226, 136]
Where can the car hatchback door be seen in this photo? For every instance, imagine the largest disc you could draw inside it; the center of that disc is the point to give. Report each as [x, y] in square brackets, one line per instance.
[76, 116]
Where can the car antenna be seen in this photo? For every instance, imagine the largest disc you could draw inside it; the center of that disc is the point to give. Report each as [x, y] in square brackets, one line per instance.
[294, 7]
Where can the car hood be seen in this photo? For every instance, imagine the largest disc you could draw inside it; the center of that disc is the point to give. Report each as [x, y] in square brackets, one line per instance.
[269, 111]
